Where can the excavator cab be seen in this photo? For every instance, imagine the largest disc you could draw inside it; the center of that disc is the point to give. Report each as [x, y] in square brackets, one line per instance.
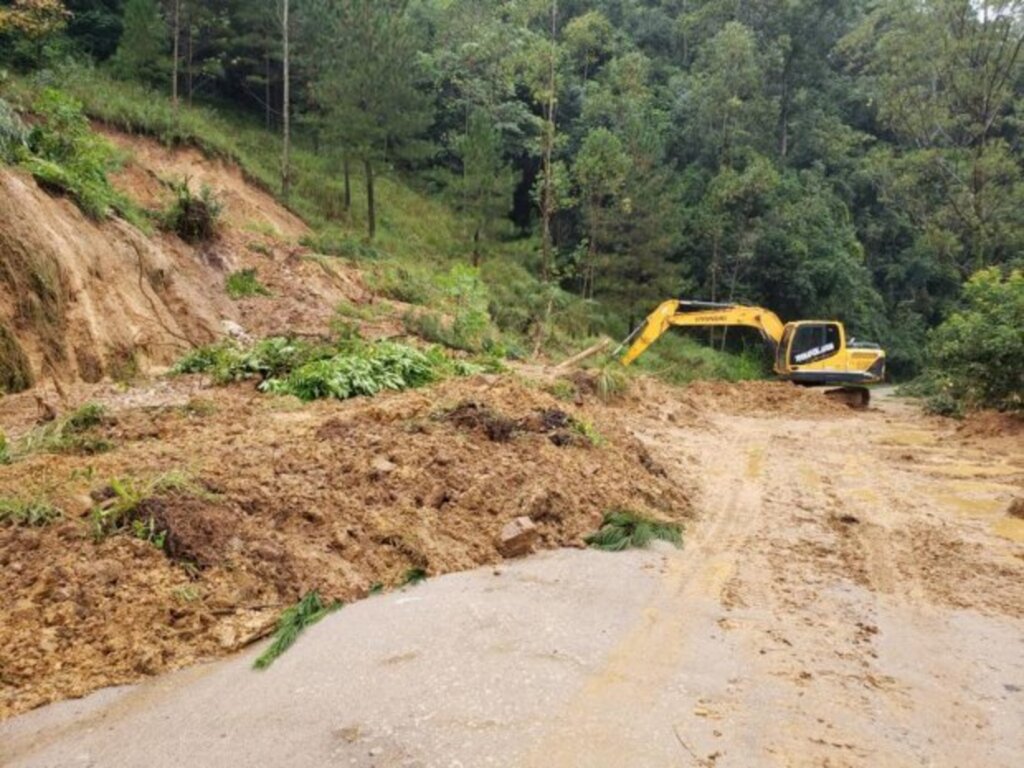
[807, 343]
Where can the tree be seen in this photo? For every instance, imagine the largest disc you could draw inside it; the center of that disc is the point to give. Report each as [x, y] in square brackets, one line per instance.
[143, 48]
[601, 169]
[368, 85]
[484, 190]
[33, 21]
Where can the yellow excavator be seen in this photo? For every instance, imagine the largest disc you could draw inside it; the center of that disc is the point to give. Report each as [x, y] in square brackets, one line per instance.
[808, 352]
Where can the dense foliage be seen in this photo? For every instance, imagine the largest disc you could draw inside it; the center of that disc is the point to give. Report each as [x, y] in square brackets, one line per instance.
[850, 158]
[977, 354]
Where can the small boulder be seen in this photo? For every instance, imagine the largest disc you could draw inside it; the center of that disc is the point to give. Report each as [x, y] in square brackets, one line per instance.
[517, 537]
[1016, 508]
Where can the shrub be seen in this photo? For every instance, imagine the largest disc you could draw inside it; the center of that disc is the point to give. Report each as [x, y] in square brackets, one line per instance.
[193, 218]
[64, 154]
[245, 283]
[622, 529]
[976, 357]
[401, 282]
[28, 514]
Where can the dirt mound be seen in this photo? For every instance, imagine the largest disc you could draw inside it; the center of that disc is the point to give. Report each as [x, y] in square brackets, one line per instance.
[760, 397]
[340, 497]
[986, 424]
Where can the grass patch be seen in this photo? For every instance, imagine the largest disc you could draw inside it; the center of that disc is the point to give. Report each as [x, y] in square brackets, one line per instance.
[679, 359]
[71, 434]
[293, 622]
[587, 432]
[622, 529]
[244, 283]
[27, 514]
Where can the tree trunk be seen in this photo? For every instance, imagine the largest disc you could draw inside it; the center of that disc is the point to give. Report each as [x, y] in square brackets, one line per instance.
[175, 64]
[191, 53]
[371, 205]
[348, 184]
[286, 181]
[266, 86]
[476, 247]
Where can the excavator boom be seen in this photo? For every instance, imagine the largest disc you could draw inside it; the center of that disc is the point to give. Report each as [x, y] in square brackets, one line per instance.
[703, 314]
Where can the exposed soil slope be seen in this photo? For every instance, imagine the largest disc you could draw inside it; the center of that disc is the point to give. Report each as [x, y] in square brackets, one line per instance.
[85, 300]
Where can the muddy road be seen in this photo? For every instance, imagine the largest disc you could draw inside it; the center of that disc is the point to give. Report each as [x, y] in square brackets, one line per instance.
[852, 594]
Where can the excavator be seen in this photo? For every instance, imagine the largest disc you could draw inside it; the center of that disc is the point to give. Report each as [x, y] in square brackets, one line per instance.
[812, 353]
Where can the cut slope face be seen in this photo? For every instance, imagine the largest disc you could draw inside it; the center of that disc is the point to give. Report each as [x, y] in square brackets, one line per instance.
[84, 300]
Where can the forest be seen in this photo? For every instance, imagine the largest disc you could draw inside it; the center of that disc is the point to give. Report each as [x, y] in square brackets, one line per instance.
[858, 159]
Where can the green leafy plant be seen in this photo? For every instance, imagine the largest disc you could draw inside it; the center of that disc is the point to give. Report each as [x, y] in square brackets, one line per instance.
[244, 283]
[292, 623]
[28, 513]
[623, 529]
[5, 449]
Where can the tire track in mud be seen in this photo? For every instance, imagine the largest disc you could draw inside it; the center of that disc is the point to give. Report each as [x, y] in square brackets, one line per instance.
[806, 622]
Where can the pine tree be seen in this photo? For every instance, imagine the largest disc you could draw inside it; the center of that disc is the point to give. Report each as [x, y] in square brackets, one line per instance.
[143, 50]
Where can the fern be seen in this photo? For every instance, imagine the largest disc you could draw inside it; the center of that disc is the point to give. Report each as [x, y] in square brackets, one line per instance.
[308, 611]
[622, 529]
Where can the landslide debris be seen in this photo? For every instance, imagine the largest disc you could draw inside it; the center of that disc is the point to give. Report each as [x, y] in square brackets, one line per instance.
[286, 498]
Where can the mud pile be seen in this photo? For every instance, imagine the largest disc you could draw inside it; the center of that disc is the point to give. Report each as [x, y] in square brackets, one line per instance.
[760, 397]
[284, 498]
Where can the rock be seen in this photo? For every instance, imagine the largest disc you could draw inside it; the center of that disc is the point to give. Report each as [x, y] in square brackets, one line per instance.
[517, 537]
[108, 571]
[1016, 508]
[381, 467]
[235, 331]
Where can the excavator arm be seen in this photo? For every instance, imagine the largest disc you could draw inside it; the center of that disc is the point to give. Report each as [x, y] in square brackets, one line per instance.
[701, 314]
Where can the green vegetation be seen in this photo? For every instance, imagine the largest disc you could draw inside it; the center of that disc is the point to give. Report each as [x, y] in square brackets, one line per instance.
[244, 283]
[63, 154]
[293, 622]
[128, 495]
[622, 529]
[75, 433]
[313, 371]
[587, 432]
[857, 160]
[192, 217]
[412, 577]
[28, 514]
[681, 359]
[977, 354]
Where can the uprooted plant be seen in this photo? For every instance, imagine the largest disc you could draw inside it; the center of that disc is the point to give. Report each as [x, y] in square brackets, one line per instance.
[122, 505]
[193, 217]
[622, 529]
[308, 611]
[311, 371]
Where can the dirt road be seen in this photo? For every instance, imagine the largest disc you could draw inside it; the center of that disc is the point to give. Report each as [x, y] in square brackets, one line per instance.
[852, 595]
